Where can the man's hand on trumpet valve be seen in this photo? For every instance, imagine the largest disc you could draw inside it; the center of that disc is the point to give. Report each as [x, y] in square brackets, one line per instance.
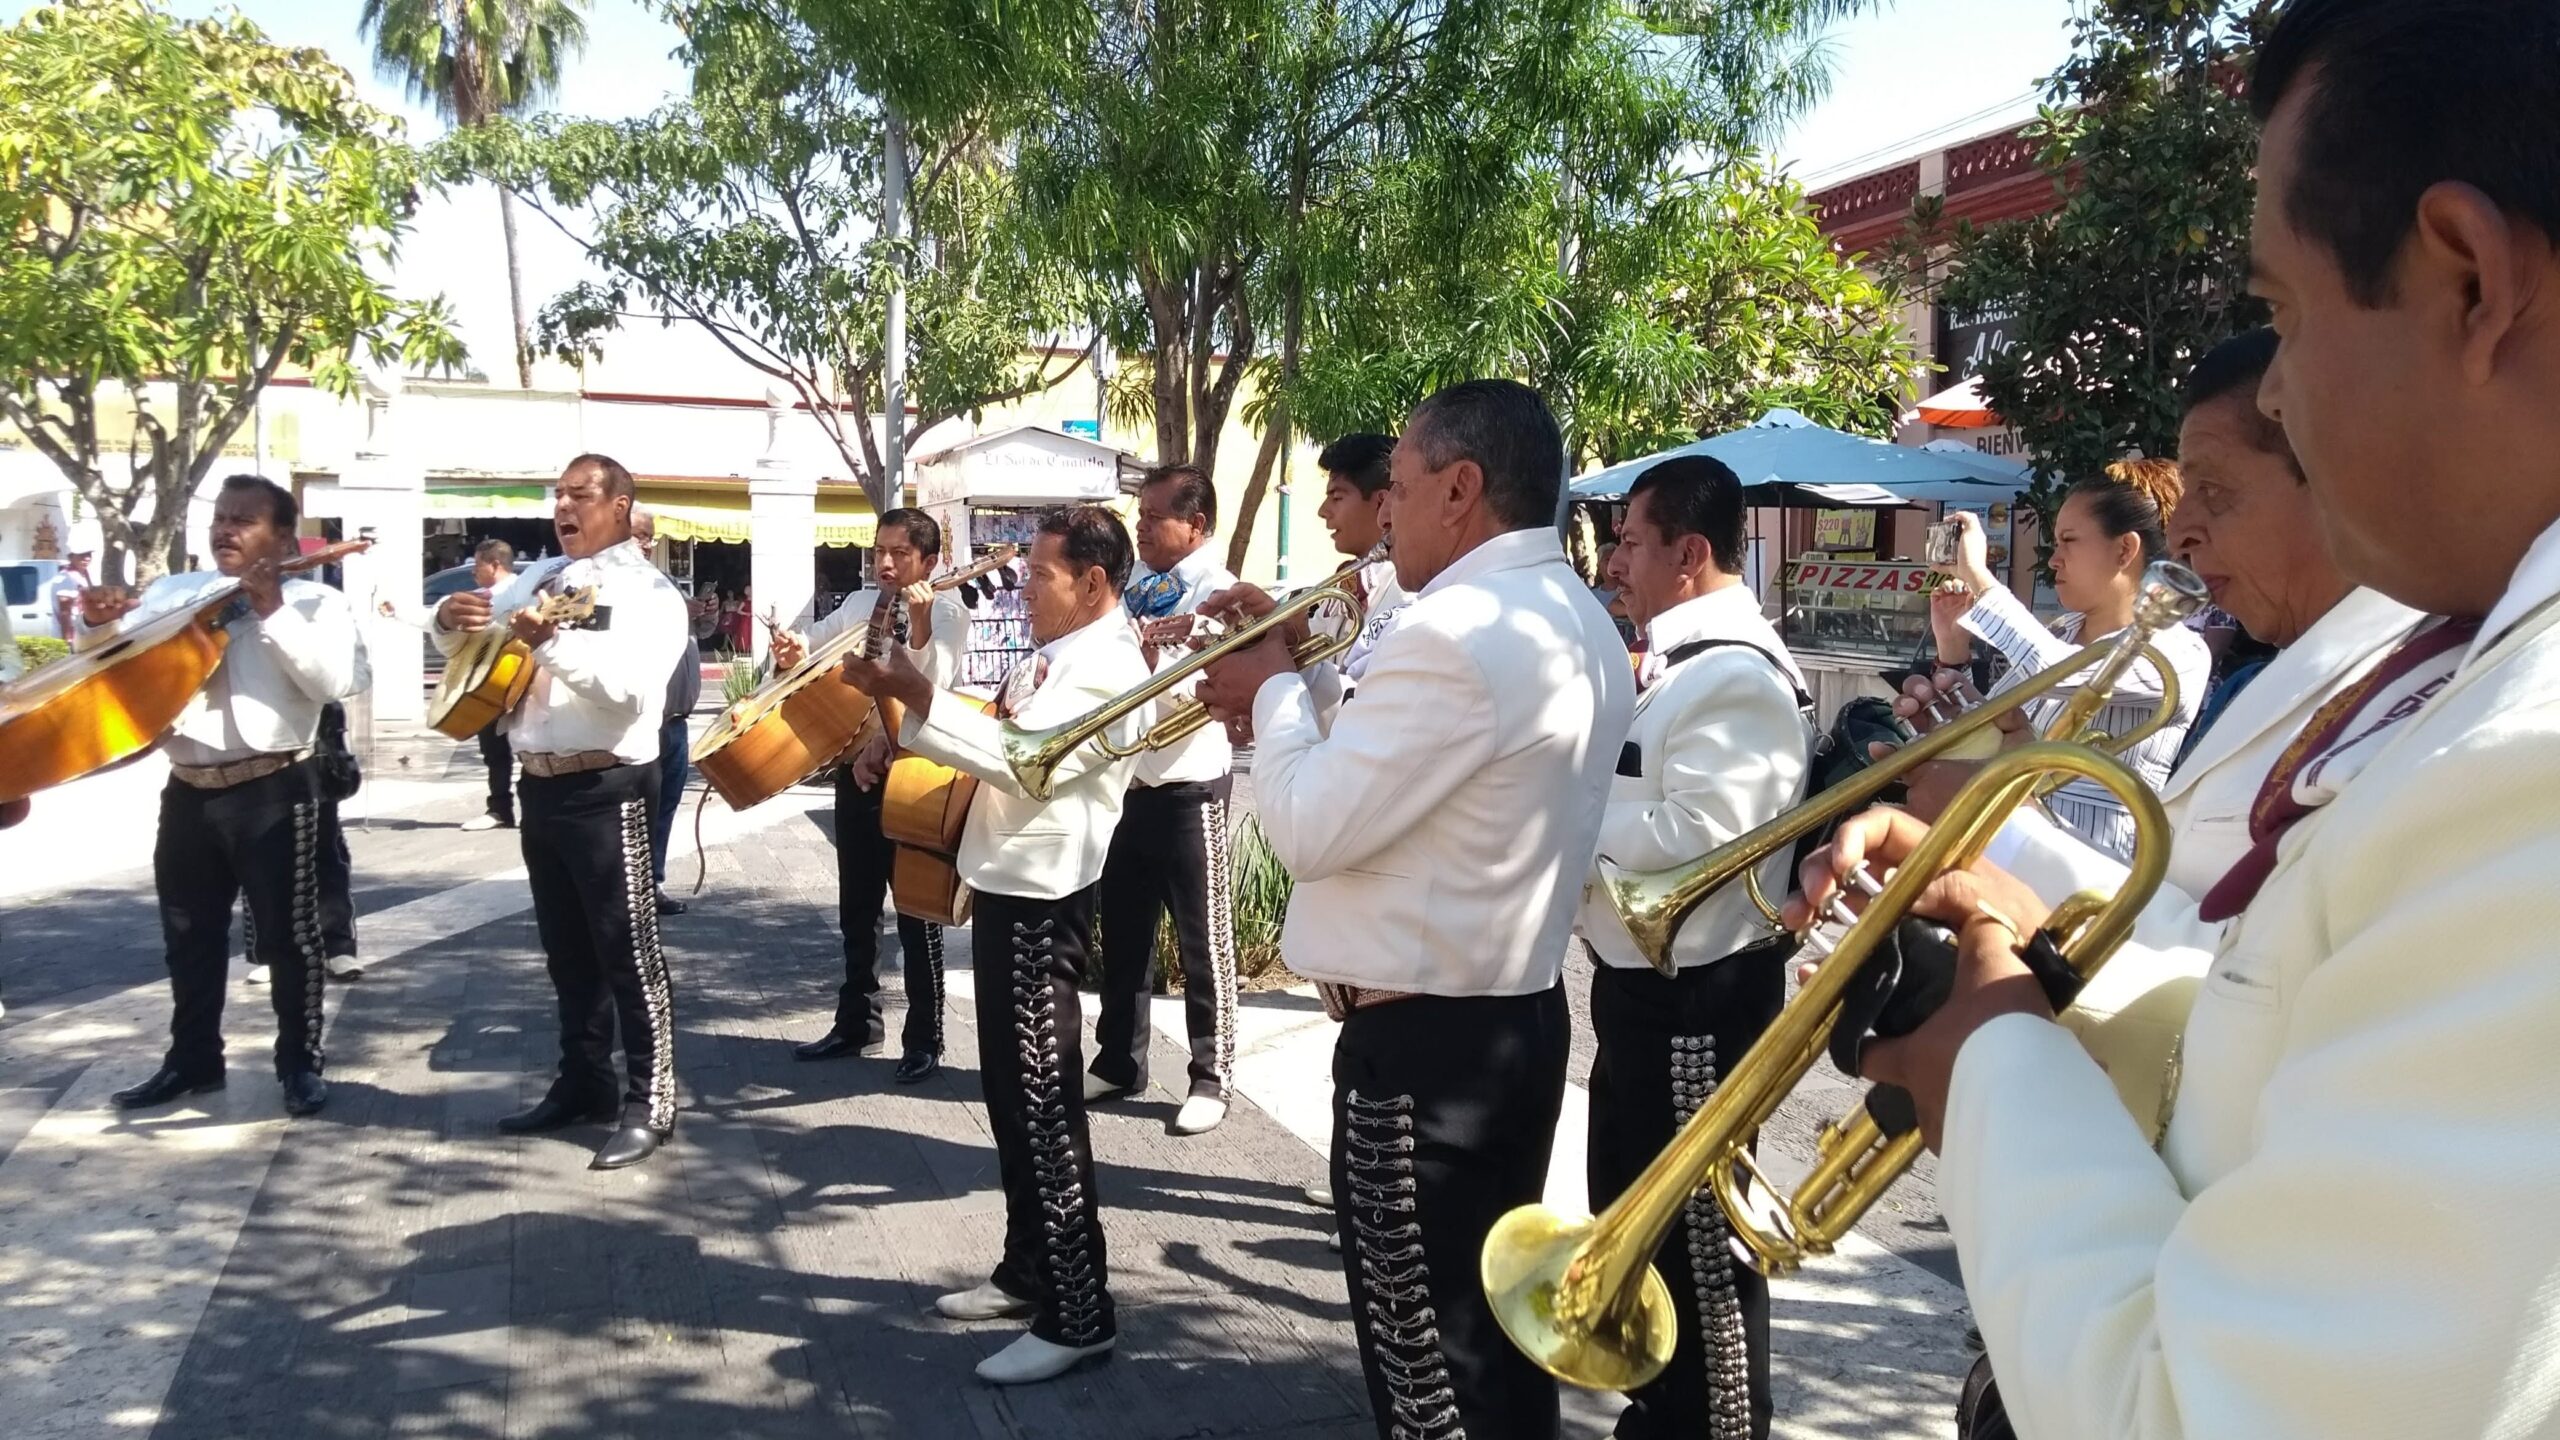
[1992, 913]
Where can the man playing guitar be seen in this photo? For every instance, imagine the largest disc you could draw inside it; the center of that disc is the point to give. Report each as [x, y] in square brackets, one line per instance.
[932, 627]
[242, 810]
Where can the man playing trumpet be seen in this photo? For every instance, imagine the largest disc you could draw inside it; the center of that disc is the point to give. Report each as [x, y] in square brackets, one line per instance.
[1439, 830]
[2347, 1229]
[1034, 864]
[1720, 745]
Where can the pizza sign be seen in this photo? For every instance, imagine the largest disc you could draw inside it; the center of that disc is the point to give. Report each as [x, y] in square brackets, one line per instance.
[1859, 577]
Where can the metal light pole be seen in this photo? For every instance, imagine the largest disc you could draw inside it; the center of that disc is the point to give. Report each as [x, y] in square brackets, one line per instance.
[893, 367]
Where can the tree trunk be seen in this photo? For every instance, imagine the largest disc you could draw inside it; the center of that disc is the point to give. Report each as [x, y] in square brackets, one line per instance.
[515, 290]
[1275, 438]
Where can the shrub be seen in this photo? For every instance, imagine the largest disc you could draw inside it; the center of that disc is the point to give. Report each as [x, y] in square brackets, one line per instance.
[37, 650]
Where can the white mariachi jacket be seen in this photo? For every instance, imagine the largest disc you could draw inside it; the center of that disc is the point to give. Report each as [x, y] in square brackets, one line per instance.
[1719, 746]
[938, 658]
[276, 674]
[2207, 799]
[1439, 829]
[2351, 1228]
[1041, 849]
[601, 684]
[1205, 753]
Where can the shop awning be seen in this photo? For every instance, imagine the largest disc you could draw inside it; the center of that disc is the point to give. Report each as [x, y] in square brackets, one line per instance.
[684, 513]
[1958, 407]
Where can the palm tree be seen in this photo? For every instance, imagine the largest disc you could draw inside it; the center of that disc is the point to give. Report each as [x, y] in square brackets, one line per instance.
[475, 60]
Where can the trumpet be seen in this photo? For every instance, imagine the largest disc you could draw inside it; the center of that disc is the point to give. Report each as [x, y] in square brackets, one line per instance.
[1580, 1297]
[1653, 904]
[1034, 755]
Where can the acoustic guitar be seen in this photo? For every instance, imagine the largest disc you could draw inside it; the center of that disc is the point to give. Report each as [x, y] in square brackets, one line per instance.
[488, 676]
[111, 701]
[792, 727]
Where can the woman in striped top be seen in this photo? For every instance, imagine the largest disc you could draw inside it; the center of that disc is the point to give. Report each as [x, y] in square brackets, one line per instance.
[2106, 533]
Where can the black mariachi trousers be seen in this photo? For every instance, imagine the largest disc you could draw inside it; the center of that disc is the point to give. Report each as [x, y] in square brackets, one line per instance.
[1169, 852]
[863, 860]
[262, 840]
[1663, 1044]
[586, 848]
[498, 753]
[1444, 1115]
[1029, 954]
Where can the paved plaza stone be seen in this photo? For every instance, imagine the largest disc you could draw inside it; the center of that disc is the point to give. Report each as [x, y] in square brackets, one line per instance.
[394, 1267]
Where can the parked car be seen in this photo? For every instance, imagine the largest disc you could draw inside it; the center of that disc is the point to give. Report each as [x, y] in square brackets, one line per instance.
[22, 587]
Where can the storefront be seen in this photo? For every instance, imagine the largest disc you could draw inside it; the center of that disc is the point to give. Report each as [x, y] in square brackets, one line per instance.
[704, 534]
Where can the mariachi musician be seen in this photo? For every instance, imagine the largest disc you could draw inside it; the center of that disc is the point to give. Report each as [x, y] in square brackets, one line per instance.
[1439, 829]
[1035, 865]
[241, 814]
[2347, 1230]
[1720, 745]
[586, 736]
[931, 627]
[1354, 512]
[1169, 852]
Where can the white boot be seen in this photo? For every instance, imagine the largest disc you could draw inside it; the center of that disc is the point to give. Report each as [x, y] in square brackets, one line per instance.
[257, 975]
[345, 967]
[1320, 1196]
[986, 1302]
[1199, 1115]
[1029, 1360]
[1097, 1088]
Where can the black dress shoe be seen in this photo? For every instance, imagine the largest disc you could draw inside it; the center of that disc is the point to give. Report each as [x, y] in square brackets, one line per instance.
[836, 1044]
[670, 905]
[165, 1086]
[304, 1093]
[917, 1067]
[629, 1146]
[557, 1113]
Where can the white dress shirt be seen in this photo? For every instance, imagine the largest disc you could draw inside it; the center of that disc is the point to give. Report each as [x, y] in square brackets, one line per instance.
[1440, 830]
[1384, 595]
[265, 696]
[10, 664]
[1015, 845]
[1205, 754]
[1720, 746]
[939, 657]
[601, 686]
[65, 585]
[2350, 1228]
[2001, 620]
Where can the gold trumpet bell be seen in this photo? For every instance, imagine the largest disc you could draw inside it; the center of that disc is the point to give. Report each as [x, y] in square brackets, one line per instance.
[1532, 1257]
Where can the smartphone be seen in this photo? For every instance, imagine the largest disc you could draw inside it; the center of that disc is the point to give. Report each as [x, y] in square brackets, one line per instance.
[1942, 544]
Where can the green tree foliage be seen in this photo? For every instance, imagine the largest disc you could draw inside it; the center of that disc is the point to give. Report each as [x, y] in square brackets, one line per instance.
[192, 210]
[750, 209]
[2143, 265]
[1354, 196]
[472, 60]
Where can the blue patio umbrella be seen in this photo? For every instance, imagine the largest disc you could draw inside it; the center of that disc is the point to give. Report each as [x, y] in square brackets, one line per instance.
[1784, 448]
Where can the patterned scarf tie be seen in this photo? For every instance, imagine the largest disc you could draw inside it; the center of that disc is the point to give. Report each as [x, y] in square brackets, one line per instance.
[2411, 676]
[1152, 597]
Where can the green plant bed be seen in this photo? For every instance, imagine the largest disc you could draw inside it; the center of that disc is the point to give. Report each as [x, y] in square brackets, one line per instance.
[1258, 887]
[38, 650]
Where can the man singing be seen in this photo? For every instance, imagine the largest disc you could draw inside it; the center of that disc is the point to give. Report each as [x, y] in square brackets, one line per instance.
[1035, 865]
[587, 737]
[1439, 829]
[2347, 1230]
[1170, 850]
[1720, 744]
[241, 814]
[932, 629]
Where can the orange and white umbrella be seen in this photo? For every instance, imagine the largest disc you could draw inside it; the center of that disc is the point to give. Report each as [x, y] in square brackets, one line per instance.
[1959, 408]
